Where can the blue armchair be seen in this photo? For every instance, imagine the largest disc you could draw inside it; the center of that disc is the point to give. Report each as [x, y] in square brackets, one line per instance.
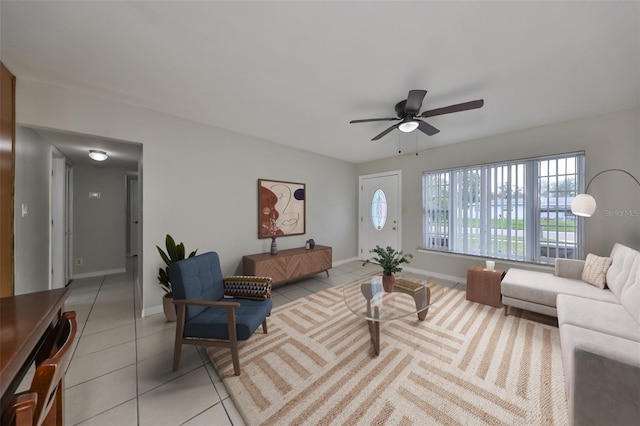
[216, 311]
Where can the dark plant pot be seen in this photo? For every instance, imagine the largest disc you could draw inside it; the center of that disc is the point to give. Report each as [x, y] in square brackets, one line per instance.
[388, 282]
[169, 308]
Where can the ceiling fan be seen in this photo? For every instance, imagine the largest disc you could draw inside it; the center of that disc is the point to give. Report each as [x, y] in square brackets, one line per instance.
[408, 112]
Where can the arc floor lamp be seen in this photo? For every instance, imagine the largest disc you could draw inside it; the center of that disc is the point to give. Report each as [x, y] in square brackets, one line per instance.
[585, 204]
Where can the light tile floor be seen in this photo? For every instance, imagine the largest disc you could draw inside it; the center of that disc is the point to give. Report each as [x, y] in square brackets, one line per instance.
[121, 370]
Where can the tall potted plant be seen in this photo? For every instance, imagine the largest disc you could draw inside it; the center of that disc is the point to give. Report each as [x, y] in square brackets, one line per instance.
[174, 253]
[390, 259]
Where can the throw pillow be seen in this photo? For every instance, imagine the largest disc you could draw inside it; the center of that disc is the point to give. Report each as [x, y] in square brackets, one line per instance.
[247, 287]
[595, 270]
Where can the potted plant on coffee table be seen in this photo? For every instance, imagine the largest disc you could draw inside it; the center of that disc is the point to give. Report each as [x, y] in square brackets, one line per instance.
[174, 253]
[390, 260]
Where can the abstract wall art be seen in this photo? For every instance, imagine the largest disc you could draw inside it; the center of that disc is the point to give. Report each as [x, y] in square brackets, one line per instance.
[281, 208]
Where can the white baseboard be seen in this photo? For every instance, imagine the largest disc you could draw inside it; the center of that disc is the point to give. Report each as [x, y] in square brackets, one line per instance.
[342, 262]
[435, 274]
[153, 310]
[99, 273]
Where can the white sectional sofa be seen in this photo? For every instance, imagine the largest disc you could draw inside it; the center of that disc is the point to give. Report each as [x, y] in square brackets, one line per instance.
[599, 333]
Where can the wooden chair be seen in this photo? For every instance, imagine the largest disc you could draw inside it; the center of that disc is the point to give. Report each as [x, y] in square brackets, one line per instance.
[216, 311]
[43, 404]
[21, 409]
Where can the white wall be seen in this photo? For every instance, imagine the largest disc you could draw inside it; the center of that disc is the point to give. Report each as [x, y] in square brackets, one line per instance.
[99, 232]
[200, 183]
[31, 232]
[609, 141]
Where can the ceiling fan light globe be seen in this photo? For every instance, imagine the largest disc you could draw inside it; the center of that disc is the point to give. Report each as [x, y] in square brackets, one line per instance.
[583, 205]
[408, 126]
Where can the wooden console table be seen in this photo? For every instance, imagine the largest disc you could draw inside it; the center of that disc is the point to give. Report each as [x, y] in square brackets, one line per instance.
[483, 286]
[288, 265]
[25, 322]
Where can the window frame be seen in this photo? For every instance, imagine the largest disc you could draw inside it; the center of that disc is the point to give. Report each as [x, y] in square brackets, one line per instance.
[486, 241]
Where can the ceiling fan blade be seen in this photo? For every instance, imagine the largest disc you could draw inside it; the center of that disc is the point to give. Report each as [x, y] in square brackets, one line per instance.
[414, 101]
[367, 120]
[384, 132]
[454, 108]
[427, 128]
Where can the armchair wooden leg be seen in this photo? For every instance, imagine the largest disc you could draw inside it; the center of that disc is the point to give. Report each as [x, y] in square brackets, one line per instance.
[233, 340]
[177, 350]
[177, 354]
[264, 326]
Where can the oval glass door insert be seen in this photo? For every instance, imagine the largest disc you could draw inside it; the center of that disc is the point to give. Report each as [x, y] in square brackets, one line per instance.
[379, 209]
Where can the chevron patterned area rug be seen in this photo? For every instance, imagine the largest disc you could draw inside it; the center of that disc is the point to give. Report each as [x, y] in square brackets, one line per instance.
[465, 364]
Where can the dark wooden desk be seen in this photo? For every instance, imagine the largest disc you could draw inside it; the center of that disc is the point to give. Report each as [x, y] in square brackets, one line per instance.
[25, 322]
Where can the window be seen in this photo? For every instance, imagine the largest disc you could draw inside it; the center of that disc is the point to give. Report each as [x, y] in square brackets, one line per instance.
[379, 209]
[518, 210]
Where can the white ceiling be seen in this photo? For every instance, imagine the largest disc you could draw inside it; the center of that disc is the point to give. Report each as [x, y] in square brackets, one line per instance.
[297, 72]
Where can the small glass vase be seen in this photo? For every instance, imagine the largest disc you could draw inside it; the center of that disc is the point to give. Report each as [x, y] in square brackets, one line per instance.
[274, 246]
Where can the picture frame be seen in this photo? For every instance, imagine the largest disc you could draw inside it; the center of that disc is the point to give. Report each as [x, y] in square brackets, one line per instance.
[281, 208]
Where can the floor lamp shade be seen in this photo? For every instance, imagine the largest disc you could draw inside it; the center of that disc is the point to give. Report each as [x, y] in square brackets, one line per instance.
[583, 205]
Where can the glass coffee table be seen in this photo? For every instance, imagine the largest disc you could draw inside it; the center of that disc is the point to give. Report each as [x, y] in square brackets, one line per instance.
[367, 299]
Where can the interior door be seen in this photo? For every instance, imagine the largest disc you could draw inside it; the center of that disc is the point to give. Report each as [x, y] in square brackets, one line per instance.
[134, 217]
[69, 224]
[58, 220]
[7, 149]
[379, 206]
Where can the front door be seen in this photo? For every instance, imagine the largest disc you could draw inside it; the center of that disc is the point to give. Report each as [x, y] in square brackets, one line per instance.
[379, 207]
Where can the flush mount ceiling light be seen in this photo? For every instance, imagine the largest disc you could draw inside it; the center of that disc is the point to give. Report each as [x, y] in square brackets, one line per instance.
[408, 126]
[98, 155]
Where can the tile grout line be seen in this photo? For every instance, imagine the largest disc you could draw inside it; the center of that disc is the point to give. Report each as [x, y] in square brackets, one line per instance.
[81, 332]
[135, 336]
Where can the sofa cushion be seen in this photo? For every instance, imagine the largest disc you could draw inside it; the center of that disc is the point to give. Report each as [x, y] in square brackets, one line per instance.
[617, 383]
[571, 336]
[622, 258]
[543, 287]
[603, 317]
[630, 297]
[595, 270]
[568, 268]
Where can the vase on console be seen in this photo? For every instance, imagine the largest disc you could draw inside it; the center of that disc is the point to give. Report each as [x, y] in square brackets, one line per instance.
[274, 246]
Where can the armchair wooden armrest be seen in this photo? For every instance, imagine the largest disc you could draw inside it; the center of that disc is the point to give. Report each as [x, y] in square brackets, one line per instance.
[209, 303]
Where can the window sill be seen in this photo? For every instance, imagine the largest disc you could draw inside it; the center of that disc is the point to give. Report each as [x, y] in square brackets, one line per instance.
[515, 263]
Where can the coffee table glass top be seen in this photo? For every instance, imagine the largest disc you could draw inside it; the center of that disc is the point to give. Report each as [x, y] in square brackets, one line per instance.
[367, 298]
